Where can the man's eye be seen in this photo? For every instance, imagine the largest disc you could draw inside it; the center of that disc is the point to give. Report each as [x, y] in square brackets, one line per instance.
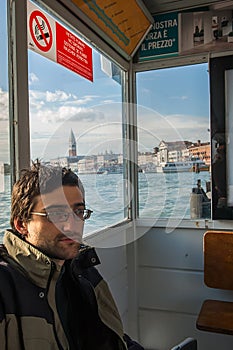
[79, 211]
[57, 215]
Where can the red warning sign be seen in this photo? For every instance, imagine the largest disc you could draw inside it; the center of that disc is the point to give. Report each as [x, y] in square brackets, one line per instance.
[55, 42]
[73, 53]
[40, 30]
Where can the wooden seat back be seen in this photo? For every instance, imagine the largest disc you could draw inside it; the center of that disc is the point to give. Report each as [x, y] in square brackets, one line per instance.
[218, 259]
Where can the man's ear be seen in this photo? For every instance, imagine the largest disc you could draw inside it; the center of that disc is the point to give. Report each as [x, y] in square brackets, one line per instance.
[21, 226]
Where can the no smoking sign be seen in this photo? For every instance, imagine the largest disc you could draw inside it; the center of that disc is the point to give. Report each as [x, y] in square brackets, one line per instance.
[41, 31]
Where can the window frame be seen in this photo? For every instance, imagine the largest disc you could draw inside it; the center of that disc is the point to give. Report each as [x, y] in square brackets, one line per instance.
[18, 77]
[173, 222]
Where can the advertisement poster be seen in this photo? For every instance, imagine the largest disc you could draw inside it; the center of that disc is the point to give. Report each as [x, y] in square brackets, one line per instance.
[207, 29]
[162, 40]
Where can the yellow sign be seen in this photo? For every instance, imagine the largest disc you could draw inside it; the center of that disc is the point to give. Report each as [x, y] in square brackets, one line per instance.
[121, 20]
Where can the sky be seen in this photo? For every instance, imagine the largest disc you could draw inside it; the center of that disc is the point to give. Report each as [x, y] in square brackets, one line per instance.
[173, 105]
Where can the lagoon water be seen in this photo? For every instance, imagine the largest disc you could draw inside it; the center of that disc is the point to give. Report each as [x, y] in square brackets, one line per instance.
[5, 206]
[160, 196]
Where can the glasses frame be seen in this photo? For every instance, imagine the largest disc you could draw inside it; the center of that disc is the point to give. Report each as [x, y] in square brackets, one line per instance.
[73, 212]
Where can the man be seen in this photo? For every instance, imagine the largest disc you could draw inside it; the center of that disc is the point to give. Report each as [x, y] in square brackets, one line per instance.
[51, 295]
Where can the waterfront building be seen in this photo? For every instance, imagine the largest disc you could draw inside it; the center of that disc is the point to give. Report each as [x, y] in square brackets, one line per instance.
[87, 165]
[107, 158]
[172, 151]
[201, 150]
[146, 157]
[60, 161]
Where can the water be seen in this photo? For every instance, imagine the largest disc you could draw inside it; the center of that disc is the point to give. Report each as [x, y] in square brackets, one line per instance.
[168, 195]
[5, 198]
[160, 196]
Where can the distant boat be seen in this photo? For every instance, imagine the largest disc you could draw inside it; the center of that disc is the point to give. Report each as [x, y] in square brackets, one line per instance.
[196, 165]
[102, 171]
[111, 169]
[86, 171]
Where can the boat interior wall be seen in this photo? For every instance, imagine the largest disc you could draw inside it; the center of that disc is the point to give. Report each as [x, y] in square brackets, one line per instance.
[171, 290]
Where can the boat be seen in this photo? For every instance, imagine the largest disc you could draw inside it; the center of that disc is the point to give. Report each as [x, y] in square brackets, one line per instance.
[196, 165]
[111, 169]
[176, 167]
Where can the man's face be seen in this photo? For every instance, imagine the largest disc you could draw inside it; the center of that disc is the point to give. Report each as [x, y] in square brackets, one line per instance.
[59, 240]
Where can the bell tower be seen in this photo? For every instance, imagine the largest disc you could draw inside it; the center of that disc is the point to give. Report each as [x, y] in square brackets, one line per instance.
[72, 145]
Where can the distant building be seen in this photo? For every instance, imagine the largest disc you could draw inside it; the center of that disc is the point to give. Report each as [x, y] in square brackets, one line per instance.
[183, 150]
[201, 150]
[70, 161]
[173, 151]
[87, 165]
[72, 145]
[107, 158]
[60, 161]
[146, 157]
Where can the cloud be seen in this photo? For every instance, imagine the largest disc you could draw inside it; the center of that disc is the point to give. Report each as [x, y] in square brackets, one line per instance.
[4, 105]
[67, 114]
[154, 127]
[52, 100]
[57, 107]
[93, 125]
[183, 97]
[96, 129]
[108, 101]
[4, 141]
[84, 100]
[58, 96]
[40, 135]
[32, 78]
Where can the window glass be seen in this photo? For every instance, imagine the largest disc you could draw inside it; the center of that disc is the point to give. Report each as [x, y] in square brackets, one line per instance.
[4, 125]
[77, 123]
[174, 143]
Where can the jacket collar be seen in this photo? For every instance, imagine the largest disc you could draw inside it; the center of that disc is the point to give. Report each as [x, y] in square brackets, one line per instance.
[34, 264]
[37, 266]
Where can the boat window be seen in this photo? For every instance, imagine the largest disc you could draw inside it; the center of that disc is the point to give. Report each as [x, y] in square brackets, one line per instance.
[173, 142]
[4, 125]
[76, 115]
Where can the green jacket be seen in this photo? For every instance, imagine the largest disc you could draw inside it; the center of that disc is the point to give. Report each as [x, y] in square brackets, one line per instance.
[44, 306]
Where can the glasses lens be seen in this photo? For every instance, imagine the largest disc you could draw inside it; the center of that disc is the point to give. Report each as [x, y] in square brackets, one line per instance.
[58, 216]
[87, 214]
[83, 214]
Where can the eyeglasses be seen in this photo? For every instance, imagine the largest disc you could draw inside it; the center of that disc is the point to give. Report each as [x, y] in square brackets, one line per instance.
[63, 216]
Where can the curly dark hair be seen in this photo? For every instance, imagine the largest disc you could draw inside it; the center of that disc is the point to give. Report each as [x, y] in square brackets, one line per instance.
[37, 180]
